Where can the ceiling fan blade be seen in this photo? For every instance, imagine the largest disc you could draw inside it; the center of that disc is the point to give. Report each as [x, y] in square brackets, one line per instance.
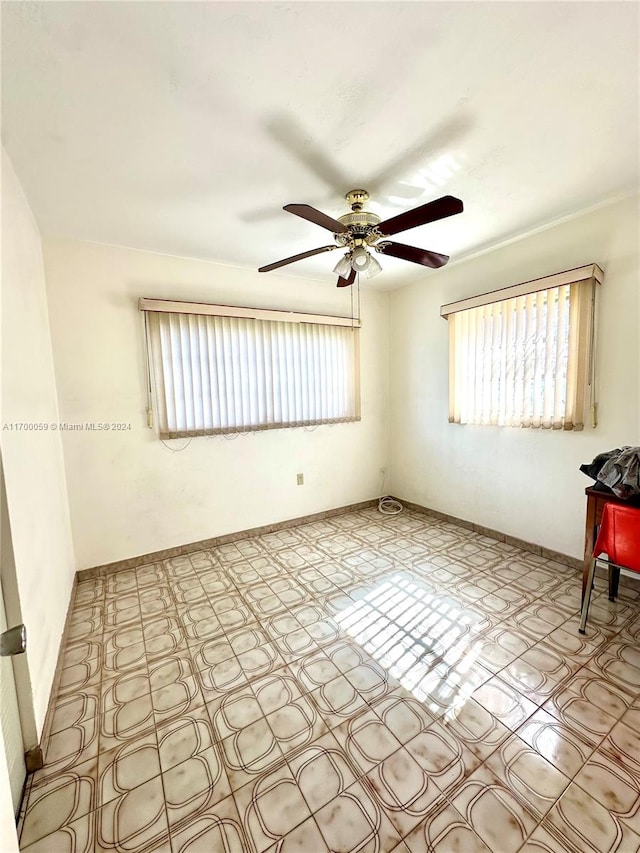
[345, 282]
[294, 258]
[411, 253]
[317, 217]
[448, 205]
[289, 133]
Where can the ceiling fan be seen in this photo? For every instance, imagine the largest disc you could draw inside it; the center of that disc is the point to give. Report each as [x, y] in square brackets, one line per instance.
[360, 231]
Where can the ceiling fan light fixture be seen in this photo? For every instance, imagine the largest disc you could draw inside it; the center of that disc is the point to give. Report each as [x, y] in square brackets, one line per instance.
[360, 259]
[343, 267]
[373, 268]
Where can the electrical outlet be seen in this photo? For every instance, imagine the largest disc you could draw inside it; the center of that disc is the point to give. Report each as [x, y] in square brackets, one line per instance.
[301, 479]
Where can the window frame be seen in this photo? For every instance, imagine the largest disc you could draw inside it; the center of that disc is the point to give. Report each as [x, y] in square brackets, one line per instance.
[148, 306]
[583, 283]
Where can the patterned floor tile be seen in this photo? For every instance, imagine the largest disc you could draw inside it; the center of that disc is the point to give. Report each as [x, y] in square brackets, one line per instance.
[587, 825]
[71, 747]
[234, 711]
[444, 831]
[476, 728]
[219, 828]
[359, 683]
[569, 642]
[220, 678]
[608, 615]
[58, 800]
[353, 821]
[547, 840]
[535, 781]
[211, 652]
[176, 699]
[314, 671]
[445, 758]
[79, 676]
[126, 767]
[580, 714]
[232, 612]
[125, 688]
[494, 812]
[151, 574]
[403, 715]
[366, 740]
[561, 745]
[445, 687]
[89, 592]
[135, 821]
[296, 724]
[86, 623]
[276, 690]
[183, 737]
[245, 639]
[121, 583]
[121, 611]
[619, 663]
[404, 789]
[538, 672]
[250, 752]
[306, 837]
[631, 717]
[598, 691]
[81, 651]
[609, 782]
[188, 591]
[500, 646]
[76, 836]
[621, 744]
[261, 661]
[271, 807]
[194, 786]
[337, 701]
[164, 636]
[322, 771]
[75, 708]
[126, 721]
[199, 622]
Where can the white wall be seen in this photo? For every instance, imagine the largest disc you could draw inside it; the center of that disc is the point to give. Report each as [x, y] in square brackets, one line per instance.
[128, 493]
[33, 463]
[8, 835]
[524, 483]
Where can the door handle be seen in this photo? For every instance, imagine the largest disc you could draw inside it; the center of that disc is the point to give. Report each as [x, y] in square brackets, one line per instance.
[13, 641]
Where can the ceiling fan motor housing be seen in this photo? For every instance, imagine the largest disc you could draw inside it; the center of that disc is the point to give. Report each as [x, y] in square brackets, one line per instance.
[361, 225]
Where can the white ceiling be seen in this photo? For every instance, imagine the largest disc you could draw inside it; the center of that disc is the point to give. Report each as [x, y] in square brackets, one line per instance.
[184, 127]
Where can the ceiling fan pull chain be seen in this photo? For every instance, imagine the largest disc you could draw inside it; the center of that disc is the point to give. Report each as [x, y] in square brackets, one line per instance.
[351, 295]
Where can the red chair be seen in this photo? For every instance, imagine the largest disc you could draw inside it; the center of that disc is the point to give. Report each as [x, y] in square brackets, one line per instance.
[619, 539]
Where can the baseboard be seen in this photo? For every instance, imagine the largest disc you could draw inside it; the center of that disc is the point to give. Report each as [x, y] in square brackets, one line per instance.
[531, 547]
[57, 675]
[168, 553]
[34, 757]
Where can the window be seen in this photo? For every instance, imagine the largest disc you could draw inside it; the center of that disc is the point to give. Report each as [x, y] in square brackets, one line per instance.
[216, 369]
[522, 356]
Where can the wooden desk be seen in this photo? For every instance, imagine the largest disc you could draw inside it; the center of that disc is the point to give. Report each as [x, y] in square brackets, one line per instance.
[595, 505]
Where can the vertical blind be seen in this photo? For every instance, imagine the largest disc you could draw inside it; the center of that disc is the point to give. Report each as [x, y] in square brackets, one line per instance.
[218, 374]
[522, 361]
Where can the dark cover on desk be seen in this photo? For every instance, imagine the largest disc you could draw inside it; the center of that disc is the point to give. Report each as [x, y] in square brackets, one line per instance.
[617, 471]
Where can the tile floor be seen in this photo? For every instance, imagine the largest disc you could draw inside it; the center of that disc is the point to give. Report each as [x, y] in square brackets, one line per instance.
[365, 683]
